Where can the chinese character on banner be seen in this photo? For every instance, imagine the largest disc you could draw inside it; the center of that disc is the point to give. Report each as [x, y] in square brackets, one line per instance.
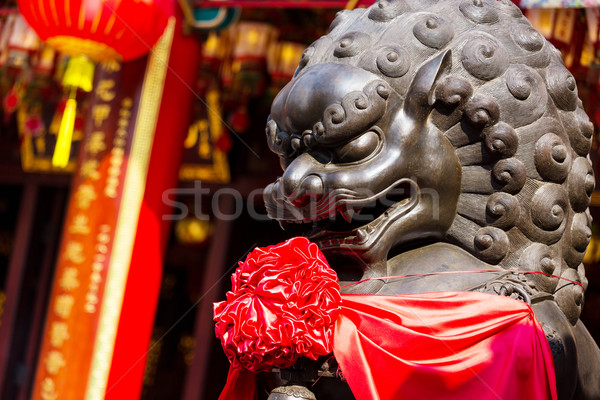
[83, 259]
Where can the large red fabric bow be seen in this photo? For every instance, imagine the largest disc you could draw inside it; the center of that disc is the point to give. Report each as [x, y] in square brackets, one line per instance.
[282, 305]
[450, 345]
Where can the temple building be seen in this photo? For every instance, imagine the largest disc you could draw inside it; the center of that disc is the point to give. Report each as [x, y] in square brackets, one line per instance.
[133, 159]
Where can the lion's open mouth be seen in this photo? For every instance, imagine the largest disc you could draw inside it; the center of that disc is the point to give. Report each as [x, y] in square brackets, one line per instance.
[350, 222]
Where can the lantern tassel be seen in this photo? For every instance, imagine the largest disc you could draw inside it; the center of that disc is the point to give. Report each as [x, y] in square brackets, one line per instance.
[62, 151]
[78, 75]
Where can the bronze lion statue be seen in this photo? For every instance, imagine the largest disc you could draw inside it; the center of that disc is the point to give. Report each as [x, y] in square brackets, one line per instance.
[431, 136]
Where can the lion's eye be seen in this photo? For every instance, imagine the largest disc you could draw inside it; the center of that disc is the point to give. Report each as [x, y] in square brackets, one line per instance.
[358, 149]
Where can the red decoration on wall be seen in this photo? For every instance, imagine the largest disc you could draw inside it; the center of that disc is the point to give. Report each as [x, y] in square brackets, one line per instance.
[224, 142]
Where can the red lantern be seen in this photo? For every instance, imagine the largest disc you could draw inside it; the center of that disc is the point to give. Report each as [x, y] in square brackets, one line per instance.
[93, 30]
[102, 30]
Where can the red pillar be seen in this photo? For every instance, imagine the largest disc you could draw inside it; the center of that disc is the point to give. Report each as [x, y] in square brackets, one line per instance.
[145, 274]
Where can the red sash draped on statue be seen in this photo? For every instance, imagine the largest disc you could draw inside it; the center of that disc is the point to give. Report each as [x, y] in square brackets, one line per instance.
[450, 345]
[444, 345]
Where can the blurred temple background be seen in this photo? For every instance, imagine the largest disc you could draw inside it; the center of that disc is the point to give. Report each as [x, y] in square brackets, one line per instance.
[132, 162]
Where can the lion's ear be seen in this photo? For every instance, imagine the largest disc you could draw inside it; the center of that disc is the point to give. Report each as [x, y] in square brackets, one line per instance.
[421, 93]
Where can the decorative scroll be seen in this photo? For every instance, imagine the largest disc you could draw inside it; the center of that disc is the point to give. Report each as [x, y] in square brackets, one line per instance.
[87, 241]
[100, 226]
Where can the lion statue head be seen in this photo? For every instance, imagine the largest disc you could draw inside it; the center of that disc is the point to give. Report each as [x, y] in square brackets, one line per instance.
[443, 121]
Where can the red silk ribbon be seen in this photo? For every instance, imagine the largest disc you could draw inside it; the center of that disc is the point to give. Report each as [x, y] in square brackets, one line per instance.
[450, 345]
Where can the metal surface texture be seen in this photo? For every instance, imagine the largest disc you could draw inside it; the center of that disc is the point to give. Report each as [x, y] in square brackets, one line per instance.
[431, 136]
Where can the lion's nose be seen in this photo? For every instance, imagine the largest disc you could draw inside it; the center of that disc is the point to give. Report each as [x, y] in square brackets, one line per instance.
[301, 181]
[310, 189]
